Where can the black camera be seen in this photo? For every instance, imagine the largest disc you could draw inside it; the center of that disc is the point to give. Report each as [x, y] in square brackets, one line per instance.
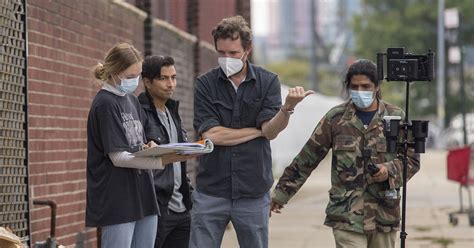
[405, 67]
[391, 131]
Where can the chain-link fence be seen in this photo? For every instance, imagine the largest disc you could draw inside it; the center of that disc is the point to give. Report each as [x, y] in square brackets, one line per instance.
[13, 170]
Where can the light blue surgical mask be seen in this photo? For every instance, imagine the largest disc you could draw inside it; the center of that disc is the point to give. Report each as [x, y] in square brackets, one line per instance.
[362, 99]
[128, 85]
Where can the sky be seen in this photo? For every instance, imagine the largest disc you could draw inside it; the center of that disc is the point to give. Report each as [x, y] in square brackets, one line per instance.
[259, 17]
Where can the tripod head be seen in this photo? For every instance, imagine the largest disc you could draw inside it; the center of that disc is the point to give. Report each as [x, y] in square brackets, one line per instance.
[418, 129]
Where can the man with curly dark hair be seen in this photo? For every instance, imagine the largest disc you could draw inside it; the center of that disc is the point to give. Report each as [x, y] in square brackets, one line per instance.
[238, 106]
[364, 199]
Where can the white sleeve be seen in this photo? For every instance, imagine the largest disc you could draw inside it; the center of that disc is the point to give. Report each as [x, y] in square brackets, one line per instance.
[127, 160]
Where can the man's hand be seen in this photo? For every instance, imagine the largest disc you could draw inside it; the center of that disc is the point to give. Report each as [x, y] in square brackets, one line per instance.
[295, 95]
[382, 174]
[275, 207]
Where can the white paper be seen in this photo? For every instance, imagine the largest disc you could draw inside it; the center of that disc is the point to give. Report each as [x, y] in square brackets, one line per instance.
[180, 148]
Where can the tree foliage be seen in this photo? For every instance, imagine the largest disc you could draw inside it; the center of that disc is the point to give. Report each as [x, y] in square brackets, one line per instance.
[291, 72]
[411, 24]
[295, 72]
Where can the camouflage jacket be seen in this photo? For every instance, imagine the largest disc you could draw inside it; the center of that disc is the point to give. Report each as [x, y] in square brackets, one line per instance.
[356, 202]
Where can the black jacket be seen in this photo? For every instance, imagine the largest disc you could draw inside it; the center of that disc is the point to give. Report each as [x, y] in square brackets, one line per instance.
[154, 130]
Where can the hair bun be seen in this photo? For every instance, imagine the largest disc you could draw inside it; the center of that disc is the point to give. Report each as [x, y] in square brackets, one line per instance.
[99, 71]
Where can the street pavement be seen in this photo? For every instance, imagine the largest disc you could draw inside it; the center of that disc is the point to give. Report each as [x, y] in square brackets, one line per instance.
[431, 197]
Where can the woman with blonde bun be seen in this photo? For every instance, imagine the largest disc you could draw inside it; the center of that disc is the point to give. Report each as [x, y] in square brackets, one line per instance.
[120, 193]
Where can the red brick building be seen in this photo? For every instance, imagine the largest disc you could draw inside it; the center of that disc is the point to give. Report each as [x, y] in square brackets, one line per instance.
[47, 89]
[209, 12]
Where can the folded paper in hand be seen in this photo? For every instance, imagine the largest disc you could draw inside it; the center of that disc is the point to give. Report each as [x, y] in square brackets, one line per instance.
[199, 147]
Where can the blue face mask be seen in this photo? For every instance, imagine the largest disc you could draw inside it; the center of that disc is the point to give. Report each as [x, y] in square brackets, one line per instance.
[362, 99]
[128, 85]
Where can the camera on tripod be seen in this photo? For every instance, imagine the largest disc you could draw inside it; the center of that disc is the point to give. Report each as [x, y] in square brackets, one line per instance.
[407, 67]
[419, 133]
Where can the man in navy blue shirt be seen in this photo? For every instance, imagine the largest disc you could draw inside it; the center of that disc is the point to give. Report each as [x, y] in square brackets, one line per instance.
[238, 106]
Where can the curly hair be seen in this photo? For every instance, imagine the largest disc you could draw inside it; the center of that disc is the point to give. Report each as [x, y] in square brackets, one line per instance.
[233, 27]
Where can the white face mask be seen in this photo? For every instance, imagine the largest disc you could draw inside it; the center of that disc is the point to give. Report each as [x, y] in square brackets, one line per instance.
[128, 85]
[362, 99]
[231, 66]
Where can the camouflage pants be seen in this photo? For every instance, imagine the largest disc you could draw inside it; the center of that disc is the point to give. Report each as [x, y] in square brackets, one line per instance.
[348, 239]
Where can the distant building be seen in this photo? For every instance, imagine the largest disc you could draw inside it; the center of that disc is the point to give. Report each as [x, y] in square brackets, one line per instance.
[289, 32]
[210, 12]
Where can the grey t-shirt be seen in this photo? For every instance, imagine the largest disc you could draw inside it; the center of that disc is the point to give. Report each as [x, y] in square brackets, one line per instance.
[176, 202]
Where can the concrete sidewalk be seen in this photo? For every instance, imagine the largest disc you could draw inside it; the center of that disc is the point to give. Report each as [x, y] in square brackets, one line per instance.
[431, 197]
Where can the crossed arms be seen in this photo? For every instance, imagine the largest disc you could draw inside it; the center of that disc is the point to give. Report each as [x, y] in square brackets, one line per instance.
[270, 129]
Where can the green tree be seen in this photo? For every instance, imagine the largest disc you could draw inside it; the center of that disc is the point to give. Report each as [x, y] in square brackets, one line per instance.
[411, 24]
[291, 72]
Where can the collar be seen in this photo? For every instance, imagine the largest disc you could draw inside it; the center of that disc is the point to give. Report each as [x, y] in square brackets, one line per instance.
[250, 73]
[235, 86]
[350, 115]
[146, 102]
[351, 110]
[112, 89]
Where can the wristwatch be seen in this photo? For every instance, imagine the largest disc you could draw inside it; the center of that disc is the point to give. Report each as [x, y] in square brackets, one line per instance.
[287, 111]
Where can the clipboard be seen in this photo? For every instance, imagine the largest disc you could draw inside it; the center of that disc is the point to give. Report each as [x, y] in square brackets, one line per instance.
[199, 147]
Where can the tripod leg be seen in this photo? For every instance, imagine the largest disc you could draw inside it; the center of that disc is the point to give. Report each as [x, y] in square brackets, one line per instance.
[471, 211]
[470, 197]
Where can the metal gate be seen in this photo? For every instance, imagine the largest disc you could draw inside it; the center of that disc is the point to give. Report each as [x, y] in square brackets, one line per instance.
[14, 210]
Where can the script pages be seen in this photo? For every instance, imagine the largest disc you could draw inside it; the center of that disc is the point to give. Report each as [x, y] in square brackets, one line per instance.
[199, 147]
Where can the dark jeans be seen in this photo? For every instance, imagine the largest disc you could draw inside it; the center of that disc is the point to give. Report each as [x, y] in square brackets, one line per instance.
[173, 229]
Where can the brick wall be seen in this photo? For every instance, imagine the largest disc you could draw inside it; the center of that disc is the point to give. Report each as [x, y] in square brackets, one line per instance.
[210, 12]
[66, 39]
[208, 57]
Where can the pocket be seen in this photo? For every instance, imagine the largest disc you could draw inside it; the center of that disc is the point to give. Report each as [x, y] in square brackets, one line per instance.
[345, 151]
[339, 204]
[156, 133]
[389, 212]
[249, 111]
[345, 143]
[225, 112]
[221, 104]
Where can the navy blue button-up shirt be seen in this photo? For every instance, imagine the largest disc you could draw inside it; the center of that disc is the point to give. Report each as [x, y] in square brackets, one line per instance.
[243, 170]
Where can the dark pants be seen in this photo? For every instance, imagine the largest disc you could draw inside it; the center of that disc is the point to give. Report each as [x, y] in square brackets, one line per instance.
[173, 229]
